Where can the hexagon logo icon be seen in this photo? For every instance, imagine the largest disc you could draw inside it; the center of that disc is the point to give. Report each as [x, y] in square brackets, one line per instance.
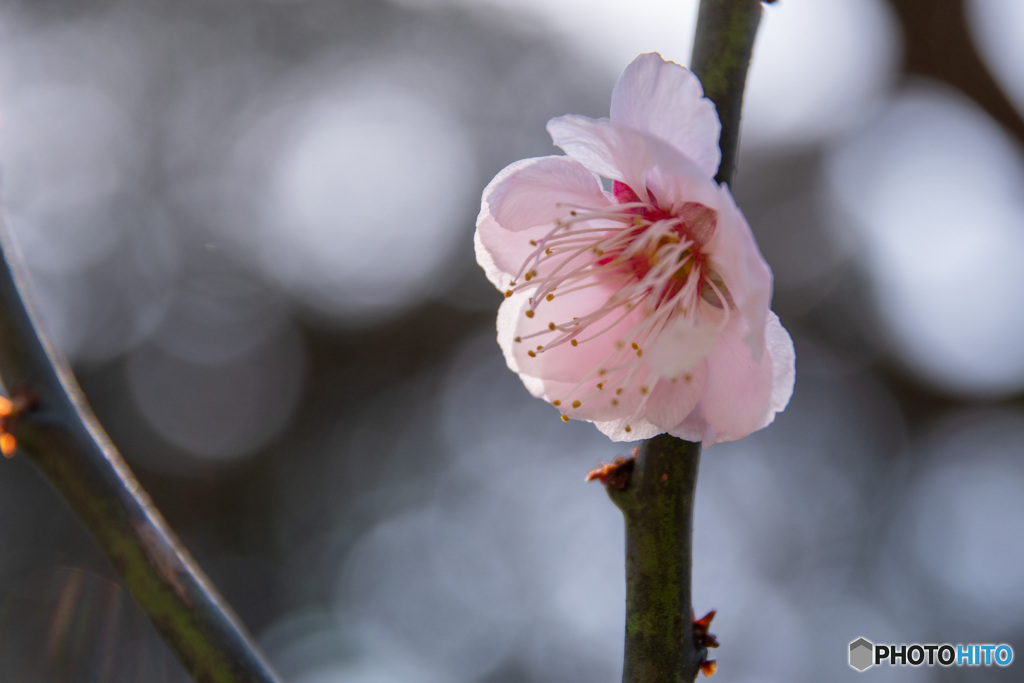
[862, 654]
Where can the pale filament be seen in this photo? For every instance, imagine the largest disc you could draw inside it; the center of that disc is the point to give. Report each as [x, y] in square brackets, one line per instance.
[657, 264]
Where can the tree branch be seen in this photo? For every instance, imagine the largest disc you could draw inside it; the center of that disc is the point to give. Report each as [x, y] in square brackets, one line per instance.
[721, 56]
[657, 504]
[657, 496]
[60, 435]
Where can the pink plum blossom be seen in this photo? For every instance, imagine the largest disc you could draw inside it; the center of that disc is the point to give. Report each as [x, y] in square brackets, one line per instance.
[644, 309]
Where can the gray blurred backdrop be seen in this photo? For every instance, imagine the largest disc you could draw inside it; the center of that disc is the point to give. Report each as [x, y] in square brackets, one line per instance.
[249, 223]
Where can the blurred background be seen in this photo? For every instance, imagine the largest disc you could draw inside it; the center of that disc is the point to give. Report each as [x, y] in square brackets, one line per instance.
[248, 224]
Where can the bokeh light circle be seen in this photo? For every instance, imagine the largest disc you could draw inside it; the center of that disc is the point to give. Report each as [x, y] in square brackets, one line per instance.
[364, 200]
[934, 188]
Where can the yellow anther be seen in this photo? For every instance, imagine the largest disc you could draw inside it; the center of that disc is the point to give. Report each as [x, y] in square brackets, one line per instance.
[531, 354]
[533, 243]
[618, 392]
[549, 297]
[565, 418]
[628, 428]
[615, 402]
[508, 293]
[529, 314]
[574, 342]
[556, 403]
[551, 326]
[688, 377]
[635, 346]
[576, 404]
[518, 339]
[644, 390]
[600, 385]
[639, 353]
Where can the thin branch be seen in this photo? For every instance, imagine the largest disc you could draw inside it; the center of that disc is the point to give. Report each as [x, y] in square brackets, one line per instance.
[657, 496]
[62, 437]
[657, 504]
[721, 56]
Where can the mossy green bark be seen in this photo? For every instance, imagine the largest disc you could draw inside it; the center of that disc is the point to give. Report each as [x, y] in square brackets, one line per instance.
[658, 508]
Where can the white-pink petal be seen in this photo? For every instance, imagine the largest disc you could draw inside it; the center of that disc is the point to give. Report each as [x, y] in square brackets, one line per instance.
[611, 151]
[624, 430]
[501, 252]
[565, 362]
[666, 100]
[521, 204]
[508, 315]
[736, 257]
[780, 349]
[681, 347]
[674, 399]
[538, 191]
[742, 394]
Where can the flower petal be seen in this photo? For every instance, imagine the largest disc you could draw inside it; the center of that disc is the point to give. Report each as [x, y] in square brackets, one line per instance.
[674, 399]
[501, 252]
[666, 100]
[681, 347]
[539, 191]
[677, 181]
[734, 254]
[594, 405]
[521, 204]
[694, 428]
[742, 394]
[624, 430]
[509, 314]
[638, 159]
[780, 348]
[613, 152]
[565, 362]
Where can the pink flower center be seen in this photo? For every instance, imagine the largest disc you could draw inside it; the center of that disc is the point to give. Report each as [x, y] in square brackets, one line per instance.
[634, 254]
